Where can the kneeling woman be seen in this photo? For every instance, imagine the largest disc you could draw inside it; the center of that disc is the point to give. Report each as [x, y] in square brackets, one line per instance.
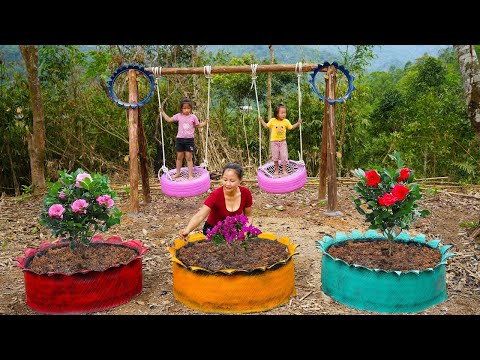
[228, 200]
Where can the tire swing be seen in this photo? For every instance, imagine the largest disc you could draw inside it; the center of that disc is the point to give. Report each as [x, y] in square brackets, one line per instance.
[182, 187]
[297, 173]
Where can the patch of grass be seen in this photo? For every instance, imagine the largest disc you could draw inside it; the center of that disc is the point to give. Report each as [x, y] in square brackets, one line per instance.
[431, 191]
[469, 224]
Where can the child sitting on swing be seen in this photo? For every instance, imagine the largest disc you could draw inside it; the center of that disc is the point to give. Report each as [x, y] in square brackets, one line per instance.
[278, 136]
[184, 144]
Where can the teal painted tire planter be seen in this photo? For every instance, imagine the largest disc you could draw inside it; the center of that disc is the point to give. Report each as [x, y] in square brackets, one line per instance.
[379, 290]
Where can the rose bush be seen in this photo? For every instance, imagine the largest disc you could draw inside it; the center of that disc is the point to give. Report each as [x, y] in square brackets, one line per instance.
[232, 230]
[390, 197]
[78, 205]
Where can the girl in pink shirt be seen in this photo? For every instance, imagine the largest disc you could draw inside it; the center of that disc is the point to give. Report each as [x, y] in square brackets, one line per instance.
[184, 144]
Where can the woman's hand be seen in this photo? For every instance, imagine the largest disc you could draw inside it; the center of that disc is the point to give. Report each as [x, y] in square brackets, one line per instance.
[183, 233]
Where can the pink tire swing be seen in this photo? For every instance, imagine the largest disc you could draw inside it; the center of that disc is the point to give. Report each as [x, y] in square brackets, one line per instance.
[181, 186]
[296, 176]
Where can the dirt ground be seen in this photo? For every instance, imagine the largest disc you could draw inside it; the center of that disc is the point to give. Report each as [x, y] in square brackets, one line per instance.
[297, 215]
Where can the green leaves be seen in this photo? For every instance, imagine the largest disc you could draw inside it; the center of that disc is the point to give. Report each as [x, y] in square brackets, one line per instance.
[400, 213]
[78, 205]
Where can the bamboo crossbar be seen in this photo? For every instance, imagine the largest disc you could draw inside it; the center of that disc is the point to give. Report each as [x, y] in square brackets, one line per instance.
[237, 69]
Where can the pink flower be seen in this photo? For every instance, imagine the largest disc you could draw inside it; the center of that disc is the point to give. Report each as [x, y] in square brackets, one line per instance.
[81, 177]
[400, 191]
[372, 178]
[404, 174]
[387, 200]
[79, 206]
[62, 195]
[56, 211]
[105, 199]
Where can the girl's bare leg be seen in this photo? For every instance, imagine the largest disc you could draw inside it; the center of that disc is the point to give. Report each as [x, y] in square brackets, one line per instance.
[179, 163]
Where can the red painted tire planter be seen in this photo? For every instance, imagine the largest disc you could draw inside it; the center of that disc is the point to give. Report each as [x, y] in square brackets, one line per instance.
[282, 184]
[182, 187]
[85, 291]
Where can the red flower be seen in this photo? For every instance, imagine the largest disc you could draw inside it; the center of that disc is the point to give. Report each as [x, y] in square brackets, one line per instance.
[400, 191]
[372, 178]
[387, 200]
[404, 174]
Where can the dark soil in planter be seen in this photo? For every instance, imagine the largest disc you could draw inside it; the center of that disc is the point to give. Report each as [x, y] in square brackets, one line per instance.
[374, 255]
[64, 260]
[257, 253]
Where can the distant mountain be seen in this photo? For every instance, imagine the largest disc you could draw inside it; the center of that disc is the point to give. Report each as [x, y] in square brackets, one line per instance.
[387, 55]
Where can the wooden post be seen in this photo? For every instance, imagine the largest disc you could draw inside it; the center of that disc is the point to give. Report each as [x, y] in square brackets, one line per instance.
[142, 147]
[133, 141]
[331, 146]
[322, 171]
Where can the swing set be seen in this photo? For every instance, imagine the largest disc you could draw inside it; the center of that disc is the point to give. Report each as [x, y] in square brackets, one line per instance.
[296, 174]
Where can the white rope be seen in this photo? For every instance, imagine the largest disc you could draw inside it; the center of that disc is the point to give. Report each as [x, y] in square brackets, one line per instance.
[298, 70]
[157, 71]
[254, 85]
[207, 71]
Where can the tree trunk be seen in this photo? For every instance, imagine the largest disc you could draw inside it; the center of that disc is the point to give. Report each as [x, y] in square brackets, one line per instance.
[470, 71]
[14, 176]
[36, 140]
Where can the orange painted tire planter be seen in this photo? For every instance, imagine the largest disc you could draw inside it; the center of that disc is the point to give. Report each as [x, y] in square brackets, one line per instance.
[234, 290]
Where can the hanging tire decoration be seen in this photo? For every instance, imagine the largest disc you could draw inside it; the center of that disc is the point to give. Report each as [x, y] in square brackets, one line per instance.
[350, 79]
[124, 68]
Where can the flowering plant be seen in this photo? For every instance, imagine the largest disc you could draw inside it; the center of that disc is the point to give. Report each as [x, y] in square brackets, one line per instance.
[390, 197]
[78, 205]
[233, 228]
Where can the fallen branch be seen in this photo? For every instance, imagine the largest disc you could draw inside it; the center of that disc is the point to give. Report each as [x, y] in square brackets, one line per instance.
[307, 294]
[462, 195]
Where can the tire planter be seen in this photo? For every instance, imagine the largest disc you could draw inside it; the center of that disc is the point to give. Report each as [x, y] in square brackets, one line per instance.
[184, 187]
[234, 290]
[379, 290]
[85, 291]
[282, 184]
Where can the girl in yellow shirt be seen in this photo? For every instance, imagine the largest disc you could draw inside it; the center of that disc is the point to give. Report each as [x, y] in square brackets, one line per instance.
[278, 136]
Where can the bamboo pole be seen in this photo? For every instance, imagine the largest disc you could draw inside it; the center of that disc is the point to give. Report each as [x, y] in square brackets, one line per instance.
[237, 69]
[331, 145]
[322, 171]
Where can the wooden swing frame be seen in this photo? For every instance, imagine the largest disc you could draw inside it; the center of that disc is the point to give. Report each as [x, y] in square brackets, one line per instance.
[137, 141]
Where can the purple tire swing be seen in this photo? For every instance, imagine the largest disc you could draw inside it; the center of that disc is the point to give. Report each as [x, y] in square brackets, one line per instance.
[296, 170]
[183, 187]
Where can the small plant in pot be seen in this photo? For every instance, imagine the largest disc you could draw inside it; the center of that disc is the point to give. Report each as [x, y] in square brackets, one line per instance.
[75, 209]
[234, 269]
[390, 197]
[236, 246]
[388, 271]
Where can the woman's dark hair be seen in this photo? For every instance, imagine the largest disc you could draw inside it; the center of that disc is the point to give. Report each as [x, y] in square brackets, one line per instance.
[185, 100]
[234, 166]
[277, 109]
